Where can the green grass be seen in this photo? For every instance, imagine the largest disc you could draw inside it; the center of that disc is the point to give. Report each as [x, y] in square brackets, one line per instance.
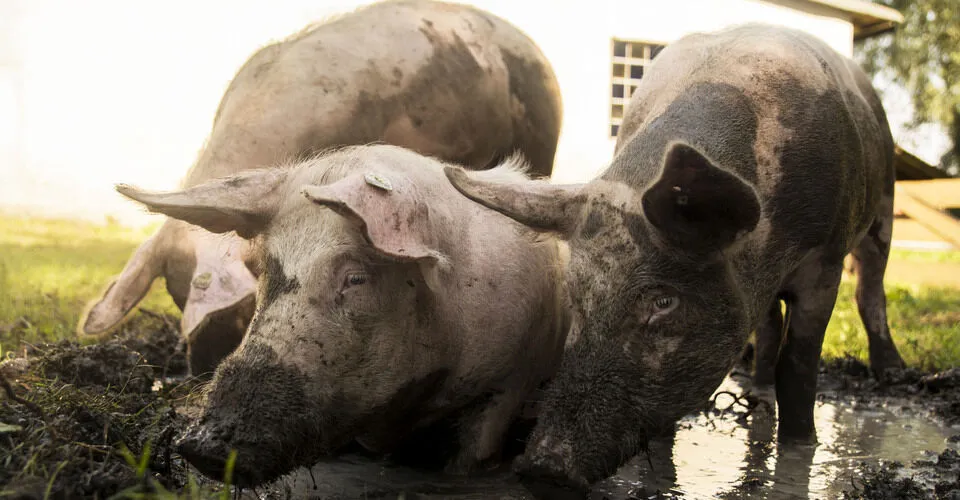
[50, 269]
[925, 256]
[924, 323]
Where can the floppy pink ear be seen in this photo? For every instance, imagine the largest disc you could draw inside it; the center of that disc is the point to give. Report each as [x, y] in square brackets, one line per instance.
[244, 203]
[221, 280]
[127, 289]
[394, 218]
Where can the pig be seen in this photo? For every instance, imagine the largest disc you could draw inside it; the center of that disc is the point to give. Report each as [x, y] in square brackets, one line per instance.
[386, 303]
[442, 79]
[750, 162]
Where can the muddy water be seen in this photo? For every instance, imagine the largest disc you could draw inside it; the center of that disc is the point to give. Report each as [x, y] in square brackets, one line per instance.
[721, 455]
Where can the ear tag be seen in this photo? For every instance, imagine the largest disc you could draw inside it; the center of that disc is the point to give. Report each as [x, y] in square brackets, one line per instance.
[378, 181]
[202, 281]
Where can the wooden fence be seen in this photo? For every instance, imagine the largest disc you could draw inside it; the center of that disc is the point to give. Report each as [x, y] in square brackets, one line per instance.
[926, 203]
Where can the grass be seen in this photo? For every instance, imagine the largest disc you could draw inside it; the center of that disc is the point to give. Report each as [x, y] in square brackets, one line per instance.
[49, 269]
[924, 323]
[922, 256]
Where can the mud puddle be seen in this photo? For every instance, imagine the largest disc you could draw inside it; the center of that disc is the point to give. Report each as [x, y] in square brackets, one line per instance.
[76, 407]
[866, 445]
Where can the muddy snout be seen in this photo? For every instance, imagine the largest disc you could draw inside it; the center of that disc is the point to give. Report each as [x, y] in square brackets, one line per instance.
[206, 449]
[255, 405]
[547, 471]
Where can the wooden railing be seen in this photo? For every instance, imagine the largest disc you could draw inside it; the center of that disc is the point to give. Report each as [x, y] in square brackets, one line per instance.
[926, 202]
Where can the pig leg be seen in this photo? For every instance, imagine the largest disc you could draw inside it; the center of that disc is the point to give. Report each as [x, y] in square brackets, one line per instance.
[811, 295]
[870, 264]
[769, 335]
[482, 432]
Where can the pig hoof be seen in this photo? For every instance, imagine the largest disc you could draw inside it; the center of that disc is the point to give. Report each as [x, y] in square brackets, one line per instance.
[887, 370]
[549, 483]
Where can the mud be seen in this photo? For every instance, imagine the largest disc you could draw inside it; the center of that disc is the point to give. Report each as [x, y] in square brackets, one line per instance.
[92, 421]
[100, 420]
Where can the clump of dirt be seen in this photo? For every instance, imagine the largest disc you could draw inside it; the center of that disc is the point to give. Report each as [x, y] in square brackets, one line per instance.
[885, 483]
[107, 365]
[924, 479]
[162, 348]
[92, 421]
[937, 394]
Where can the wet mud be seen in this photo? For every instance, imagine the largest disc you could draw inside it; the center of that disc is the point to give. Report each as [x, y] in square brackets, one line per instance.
[99, 421]
[91, 421]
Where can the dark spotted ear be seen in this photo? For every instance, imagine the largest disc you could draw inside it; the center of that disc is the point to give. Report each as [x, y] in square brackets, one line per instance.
[697, 205]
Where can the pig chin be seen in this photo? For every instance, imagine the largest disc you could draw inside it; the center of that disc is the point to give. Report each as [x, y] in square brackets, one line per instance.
[257, 407]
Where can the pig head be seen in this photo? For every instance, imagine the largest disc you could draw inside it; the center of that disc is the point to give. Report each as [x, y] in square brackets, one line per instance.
[386, 303]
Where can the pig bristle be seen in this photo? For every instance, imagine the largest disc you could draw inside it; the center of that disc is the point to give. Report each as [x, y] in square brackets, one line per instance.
[513, 169]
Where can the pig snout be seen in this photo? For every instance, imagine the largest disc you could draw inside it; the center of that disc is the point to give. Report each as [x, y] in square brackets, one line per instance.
[547, 470]
[256, 407]
[206, 449]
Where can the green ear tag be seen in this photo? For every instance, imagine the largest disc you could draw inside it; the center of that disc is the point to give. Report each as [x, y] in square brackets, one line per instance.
[376, 180]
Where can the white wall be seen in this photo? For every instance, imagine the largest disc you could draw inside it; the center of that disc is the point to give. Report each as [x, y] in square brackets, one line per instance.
[114, 91]
[575, 36]
[119, 91]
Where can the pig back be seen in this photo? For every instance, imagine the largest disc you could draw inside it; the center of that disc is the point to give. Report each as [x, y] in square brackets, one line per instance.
[783, 110]
[442, 79]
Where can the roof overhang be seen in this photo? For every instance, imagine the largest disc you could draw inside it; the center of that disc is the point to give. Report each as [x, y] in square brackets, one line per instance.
[869, 19]
[910, 167]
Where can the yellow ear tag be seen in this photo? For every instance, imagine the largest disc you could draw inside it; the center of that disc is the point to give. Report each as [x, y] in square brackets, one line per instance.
[376, 180]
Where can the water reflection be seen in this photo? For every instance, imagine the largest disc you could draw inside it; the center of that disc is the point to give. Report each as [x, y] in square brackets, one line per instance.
[731, 457]
[711, 456]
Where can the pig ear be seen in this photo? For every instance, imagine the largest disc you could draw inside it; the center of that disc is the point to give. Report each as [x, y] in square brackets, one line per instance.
[221, 281]
[244, 203]
[396, 221]
[697, 205]
[535, 203]
[126, 290]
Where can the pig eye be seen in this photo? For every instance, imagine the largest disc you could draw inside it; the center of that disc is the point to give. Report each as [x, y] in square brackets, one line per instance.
[664, 303]
[356, 279]
[663, 306]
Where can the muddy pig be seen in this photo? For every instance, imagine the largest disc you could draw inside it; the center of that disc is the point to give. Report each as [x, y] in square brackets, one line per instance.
[443, 79]
[750, 162]
[386, 301]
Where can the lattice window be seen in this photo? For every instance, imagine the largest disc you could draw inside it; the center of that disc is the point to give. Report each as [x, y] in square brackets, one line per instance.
[630, 60]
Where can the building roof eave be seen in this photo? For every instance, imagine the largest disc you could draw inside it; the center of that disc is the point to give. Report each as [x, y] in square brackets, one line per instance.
[910, 167]
[869, 19]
